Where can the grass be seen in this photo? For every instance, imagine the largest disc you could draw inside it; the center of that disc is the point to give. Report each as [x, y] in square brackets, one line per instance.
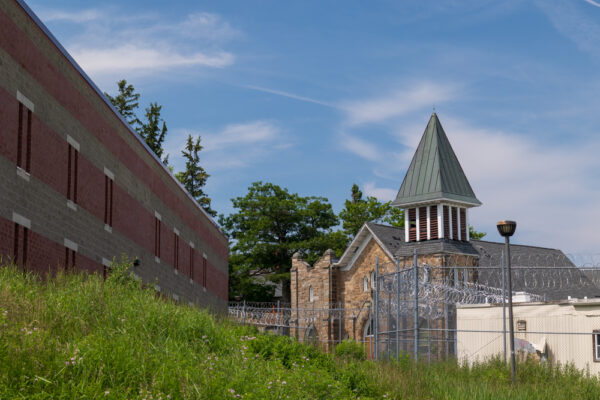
[77, 336]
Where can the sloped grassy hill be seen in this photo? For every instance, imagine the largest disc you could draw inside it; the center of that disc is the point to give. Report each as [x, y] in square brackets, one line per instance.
[77, 336]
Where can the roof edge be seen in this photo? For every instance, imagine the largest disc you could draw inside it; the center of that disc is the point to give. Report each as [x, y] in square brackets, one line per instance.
[89, 81]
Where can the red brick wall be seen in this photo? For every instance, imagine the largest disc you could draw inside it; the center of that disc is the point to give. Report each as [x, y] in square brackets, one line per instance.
[35, 63]
[49, 153]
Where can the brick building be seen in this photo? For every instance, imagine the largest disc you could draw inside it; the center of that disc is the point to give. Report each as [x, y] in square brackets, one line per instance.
[79, 187]
[436, 197]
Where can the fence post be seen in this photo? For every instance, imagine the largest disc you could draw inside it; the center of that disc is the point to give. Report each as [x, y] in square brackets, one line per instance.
[503, 309]
[416, 316]
[389, 325]
[278, 319]
[340, 316]
[376, 322]
[244, 313]
[397, 308]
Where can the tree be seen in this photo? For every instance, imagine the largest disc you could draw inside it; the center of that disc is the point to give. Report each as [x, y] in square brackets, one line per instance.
[154, 130]
[357, 211]
[126, 102]
[473, 234]
[269, 225]
[194, 177]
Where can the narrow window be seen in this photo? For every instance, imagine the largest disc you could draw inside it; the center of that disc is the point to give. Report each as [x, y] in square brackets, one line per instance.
[25, 240]
[176, 250]
[412, 224]
[433, 218]
[20, 253]
[69, 259]
[365, 284]
[16, 244]
[72, 161]
[192, 263]
[423, 223]
[20, 138]
[108, 201]
[463, 224]
[28, 146]
[24, 139]
[454, 223]
[373, 280]
[157, 237]
[446, 217]
[204, 266]
[596, 342]
[311, 297]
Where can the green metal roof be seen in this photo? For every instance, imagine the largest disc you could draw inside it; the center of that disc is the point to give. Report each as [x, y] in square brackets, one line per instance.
[435, 173]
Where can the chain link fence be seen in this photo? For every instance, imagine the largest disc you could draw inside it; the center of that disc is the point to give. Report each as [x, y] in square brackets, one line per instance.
[458, 310]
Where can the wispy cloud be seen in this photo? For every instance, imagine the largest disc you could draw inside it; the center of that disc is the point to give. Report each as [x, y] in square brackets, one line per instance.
[398, 102]
[360, 147]
[539, 179]
[291, 96]
[570, 20]
[380, 193]
[235, 145]
[129, 58]
[71, 16]
[114, 45]
[592, 2]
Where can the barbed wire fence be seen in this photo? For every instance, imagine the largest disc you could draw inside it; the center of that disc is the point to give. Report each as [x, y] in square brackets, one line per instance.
[421, 310]
[457, 309]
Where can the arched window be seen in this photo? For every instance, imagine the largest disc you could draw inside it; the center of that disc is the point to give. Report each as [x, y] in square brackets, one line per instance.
[373, 280]
[310, 294]
[365, 284]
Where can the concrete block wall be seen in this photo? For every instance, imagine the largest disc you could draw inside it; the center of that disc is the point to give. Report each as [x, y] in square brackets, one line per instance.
[76, 145]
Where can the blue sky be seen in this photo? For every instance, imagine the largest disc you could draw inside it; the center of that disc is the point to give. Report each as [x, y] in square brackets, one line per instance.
[317, 95]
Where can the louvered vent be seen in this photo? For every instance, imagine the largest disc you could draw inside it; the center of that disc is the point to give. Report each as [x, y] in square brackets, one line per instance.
[446, 216]
[454, 223]
[463, 224]
[433, 222]
[422, 223]
[412, 224]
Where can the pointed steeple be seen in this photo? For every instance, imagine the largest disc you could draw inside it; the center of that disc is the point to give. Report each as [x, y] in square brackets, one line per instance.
[435, 173]
[435, 193]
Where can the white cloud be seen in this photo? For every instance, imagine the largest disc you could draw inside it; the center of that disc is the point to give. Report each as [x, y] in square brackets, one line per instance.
[71, 16]
[550, 190]
[360, 147]
[112, 45]
[592, 2]
[234, 146]
[398, 103]
[130, 58]
[575, 24]
[381, 193]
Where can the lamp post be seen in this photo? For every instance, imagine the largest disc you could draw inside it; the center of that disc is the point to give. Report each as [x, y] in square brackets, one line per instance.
[507, 229]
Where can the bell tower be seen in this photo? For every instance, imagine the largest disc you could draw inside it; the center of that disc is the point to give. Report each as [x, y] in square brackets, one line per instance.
[435, 194]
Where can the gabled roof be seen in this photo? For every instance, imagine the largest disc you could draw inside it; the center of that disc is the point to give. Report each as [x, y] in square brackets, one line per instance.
[389, 239]
[435, 172]
[549, 285]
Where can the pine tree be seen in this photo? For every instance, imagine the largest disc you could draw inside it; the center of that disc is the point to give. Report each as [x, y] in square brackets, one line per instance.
[194, 177]
[126, 102]
[154, 130]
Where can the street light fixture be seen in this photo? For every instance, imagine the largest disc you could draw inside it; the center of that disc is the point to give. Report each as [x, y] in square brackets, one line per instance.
[507, 229]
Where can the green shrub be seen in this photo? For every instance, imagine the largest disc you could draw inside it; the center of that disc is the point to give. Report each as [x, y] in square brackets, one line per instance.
[350, 349]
